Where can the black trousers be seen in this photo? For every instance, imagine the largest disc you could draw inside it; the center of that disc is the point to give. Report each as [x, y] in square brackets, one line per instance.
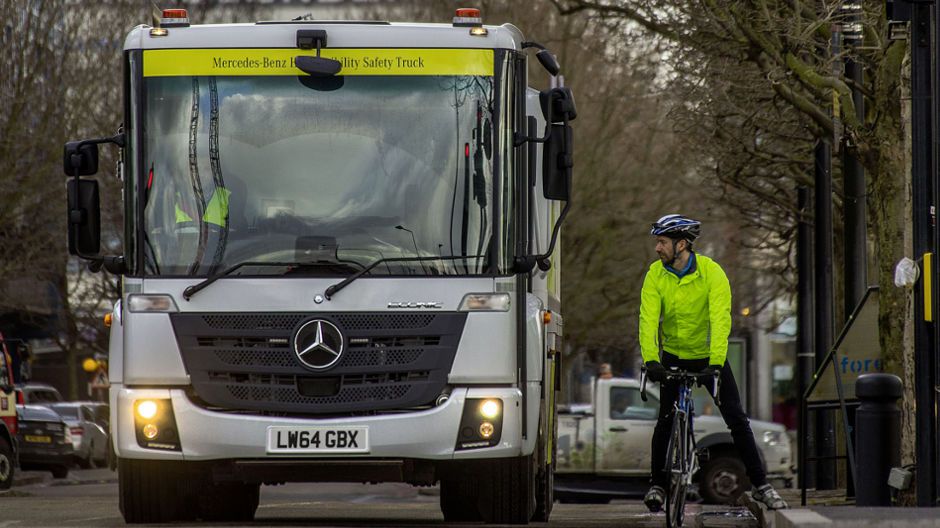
[731, 411]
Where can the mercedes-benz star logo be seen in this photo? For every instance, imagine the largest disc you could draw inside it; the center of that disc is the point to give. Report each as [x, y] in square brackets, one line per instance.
[318, 344]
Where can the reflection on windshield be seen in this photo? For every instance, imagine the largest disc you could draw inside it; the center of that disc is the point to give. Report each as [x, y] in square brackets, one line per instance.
[268, 169]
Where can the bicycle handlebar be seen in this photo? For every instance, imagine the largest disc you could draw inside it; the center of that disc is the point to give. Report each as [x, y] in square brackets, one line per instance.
[685, 376]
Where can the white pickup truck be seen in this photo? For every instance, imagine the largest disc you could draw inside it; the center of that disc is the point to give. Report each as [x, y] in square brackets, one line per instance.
[604, 449]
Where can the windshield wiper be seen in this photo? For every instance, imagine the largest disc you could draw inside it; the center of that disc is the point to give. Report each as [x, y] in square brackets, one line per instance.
[332, 290]
[195, 288]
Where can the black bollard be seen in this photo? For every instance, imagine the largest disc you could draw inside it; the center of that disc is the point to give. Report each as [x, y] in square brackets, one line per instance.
[877, 437]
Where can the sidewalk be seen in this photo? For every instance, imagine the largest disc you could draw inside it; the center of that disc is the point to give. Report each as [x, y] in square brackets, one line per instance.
[824, 510]
[829, 509]
[78, 476]
[855, 517]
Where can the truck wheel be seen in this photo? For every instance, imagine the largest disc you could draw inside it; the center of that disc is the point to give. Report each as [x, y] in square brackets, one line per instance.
[149, 490]
[545, 476]
[229, 501]
[544, 493]
[507, 490]
[459, 498]
[723, 479]
[6, 464]
[59, 472]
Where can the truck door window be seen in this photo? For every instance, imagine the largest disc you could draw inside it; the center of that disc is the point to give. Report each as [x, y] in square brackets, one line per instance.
[626, 404]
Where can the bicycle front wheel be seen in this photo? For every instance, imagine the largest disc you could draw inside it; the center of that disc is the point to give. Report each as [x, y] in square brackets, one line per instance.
[677, 463]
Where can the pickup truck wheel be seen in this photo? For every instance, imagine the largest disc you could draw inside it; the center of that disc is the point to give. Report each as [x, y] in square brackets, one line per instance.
[723, 479]
[59, 472]
[507, 490]
[150, 491]
[6, 464]
[459, 499]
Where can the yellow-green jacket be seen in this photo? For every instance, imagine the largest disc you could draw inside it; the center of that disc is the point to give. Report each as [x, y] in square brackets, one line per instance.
[695, 312]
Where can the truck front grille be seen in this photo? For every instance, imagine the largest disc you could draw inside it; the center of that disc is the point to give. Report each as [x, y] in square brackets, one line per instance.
[247, 361]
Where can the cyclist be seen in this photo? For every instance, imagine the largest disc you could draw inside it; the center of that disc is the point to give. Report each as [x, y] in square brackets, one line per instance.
[690, 293]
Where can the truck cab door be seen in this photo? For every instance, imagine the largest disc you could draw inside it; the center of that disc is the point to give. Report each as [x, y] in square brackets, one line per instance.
[625, 431]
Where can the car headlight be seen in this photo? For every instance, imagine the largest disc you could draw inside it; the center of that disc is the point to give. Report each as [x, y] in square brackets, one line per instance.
[772, 438]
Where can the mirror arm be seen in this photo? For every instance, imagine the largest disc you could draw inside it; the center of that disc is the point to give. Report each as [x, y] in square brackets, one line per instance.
[112, 264]
[118, 139]
[526, 263]
[520, 139]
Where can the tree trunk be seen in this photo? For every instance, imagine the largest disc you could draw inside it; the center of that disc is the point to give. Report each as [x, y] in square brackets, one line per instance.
[890, 204]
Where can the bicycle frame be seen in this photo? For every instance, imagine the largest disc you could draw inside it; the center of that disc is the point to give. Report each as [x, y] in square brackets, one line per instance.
[681, 454]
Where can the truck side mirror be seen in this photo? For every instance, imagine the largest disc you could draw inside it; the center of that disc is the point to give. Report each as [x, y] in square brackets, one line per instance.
[84, 220]
[558, 153]
[84, 158]
[557, 161]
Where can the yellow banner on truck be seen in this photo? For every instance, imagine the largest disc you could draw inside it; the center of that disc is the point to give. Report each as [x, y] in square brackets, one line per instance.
[223, 62]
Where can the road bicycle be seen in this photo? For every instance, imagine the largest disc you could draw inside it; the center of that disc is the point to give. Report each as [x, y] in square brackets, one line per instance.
[681, 455]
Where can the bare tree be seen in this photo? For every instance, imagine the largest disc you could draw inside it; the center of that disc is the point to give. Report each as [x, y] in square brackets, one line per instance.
[62, 80]
[759, 84]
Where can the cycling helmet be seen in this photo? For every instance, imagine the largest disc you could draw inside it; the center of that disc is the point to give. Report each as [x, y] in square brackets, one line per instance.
[678, 227]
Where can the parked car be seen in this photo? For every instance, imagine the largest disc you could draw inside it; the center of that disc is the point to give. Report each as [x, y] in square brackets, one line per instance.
[89, 434]
[30, 393]
[603, 450]
[45, 441]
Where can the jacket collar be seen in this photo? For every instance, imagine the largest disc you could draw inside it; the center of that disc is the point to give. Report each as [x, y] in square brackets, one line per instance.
[689, 268]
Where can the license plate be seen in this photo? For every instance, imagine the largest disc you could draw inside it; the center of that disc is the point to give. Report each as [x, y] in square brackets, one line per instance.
[39, 439]
[288, 439]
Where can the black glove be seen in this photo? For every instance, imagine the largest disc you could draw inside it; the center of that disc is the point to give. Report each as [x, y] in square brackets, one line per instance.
[707, 377]
[655, 371]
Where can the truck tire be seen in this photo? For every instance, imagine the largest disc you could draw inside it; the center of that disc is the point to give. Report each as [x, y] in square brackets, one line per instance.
[229, 502]
[507, 490]
[545, 474]
[723, 479]
[459, 498]
[7, 468]
[149, 490]
[544, 493]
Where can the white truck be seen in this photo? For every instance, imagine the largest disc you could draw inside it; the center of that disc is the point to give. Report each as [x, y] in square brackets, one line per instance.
[604, 448]
[338, 263]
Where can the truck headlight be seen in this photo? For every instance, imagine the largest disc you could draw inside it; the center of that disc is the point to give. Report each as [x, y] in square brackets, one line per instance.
[772, 438]
[146, 409]
[155, 425]
[481, 423]
[153, 303]
[484, 302]
[490, 408]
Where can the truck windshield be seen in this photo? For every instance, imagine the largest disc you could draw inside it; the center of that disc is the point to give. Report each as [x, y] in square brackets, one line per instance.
[294, 169]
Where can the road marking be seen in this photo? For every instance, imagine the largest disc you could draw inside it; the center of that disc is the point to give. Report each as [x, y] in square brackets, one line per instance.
[93, 519]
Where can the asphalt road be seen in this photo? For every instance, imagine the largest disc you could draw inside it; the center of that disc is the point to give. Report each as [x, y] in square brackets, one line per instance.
[89, 498]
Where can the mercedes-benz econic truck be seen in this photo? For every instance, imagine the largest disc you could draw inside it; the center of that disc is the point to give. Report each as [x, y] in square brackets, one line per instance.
[339, 263]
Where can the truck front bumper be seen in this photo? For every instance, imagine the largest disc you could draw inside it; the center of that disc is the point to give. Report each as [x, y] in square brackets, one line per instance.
[209, 435]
